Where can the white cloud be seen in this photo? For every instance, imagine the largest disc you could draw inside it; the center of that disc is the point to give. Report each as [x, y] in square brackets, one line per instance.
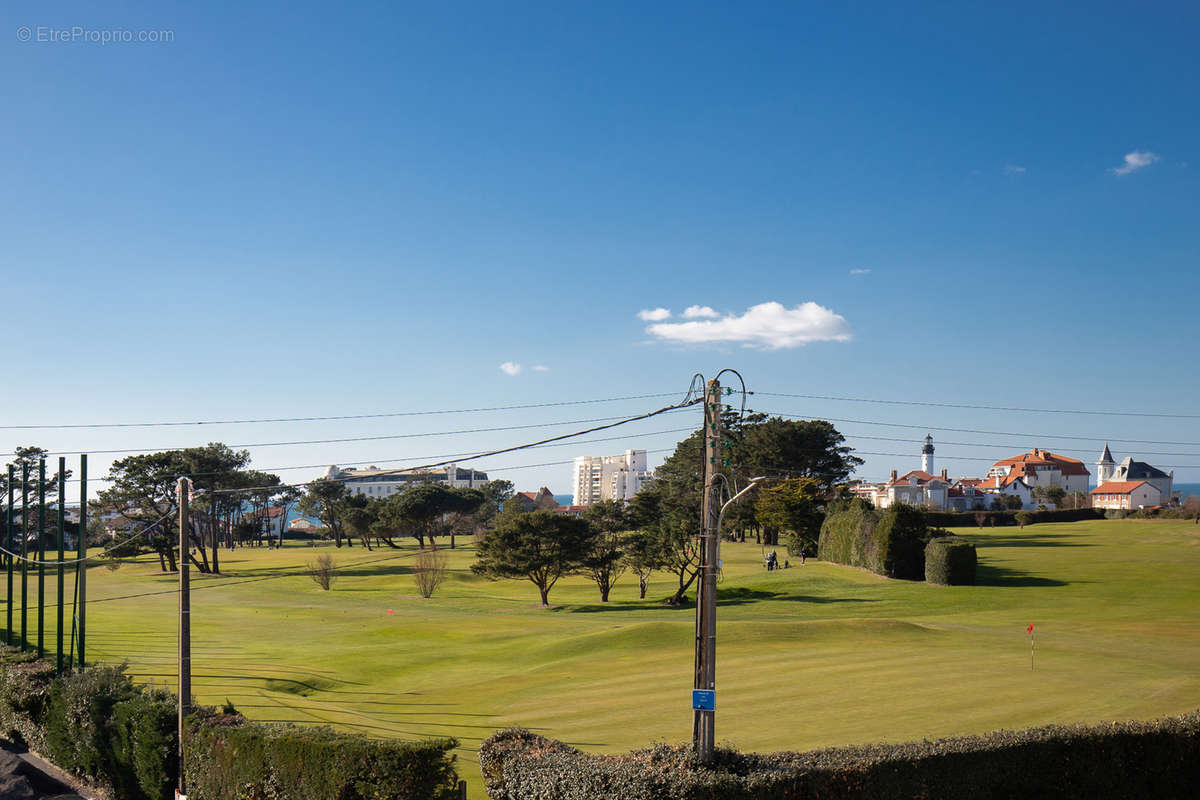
[699, 312]
[860, 272]
[769, 326]
[1014, 170]
[540, 368]
[653, 314]
[510, 368]
[1135, 161]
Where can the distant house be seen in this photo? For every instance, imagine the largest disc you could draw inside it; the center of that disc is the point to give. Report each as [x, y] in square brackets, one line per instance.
[1040, 468]
[1108, 471]
[571, 511]
[301, 525]
[915, 488]
[1126, 495]
[541, 500]
[375, 482]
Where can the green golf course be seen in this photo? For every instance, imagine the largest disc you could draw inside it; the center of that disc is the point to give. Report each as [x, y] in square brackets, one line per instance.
[807, 656]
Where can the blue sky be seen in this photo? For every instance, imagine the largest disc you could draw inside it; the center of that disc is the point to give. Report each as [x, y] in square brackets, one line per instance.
[298, 209]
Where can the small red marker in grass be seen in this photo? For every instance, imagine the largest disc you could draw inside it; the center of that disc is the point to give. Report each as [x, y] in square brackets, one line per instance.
[389, 611]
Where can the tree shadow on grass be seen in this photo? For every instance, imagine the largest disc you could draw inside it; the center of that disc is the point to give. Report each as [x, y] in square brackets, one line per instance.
[986, 575]
[1032, 540]
[736, 596]
[301, 570]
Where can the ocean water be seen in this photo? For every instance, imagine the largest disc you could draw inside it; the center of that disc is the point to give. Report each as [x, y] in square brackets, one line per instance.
[564, 499]
[1185, 489]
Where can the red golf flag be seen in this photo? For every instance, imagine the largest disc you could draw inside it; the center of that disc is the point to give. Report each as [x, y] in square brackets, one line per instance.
[1030, 628]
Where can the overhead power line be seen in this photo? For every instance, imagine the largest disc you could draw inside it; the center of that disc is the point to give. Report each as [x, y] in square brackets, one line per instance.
[374, 461]
[1038, 436]
[335, 417]
[688, 400]
[1000, 444]
[1163, 415]
[386, 437]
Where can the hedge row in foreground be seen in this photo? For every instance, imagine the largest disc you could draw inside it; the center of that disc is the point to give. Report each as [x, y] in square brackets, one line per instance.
[1157, 760]
[94, 723]
[249, 761]
[97, 724]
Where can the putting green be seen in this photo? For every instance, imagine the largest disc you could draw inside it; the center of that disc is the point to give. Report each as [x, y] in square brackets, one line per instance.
[807, 656]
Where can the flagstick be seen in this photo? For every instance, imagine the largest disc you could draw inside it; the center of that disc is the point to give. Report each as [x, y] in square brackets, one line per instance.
[1031, 635]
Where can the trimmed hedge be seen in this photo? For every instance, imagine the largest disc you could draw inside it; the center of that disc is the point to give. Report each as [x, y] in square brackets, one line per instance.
[900, 539]
[950, 561]
[93, 723]
[1156, 760]
[891, 542]
[246, 761]
[847, 533]
[98, 725]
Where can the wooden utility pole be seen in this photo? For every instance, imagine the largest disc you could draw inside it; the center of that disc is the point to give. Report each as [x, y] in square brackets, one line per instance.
[705, 684]
[185, 628]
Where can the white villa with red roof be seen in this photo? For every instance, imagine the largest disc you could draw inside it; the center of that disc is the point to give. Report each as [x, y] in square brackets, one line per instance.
[1131, 484]
[1039, 468]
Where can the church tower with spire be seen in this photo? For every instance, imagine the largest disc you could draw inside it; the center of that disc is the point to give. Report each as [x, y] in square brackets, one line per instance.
[927, 454]
[1105, 467]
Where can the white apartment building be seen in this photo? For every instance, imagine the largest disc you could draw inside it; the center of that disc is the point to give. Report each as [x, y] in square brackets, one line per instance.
[609, 477]
[375, 482]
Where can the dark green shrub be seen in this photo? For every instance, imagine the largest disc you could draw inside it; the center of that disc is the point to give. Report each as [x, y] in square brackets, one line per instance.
[24, 696]
[847, 529]
[900, 540]
[145, 748]
[950, 561]
[1156, 760]
[891, 542]
[251, 761]
[80, 735]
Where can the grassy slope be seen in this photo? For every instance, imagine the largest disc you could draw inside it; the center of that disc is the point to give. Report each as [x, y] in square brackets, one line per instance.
[810, 656]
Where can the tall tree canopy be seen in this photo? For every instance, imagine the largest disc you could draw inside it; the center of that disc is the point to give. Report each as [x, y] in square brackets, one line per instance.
[797, 448]
[606, 562]
[143, 488]
[540, 546]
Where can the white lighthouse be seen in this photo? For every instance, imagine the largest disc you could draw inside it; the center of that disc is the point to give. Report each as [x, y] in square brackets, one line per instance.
[927, 454]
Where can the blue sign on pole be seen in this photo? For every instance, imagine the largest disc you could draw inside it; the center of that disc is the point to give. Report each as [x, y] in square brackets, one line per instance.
[704, 700]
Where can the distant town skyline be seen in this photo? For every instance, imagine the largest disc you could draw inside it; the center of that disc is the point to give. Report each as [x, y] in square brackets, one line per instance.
[369, 210]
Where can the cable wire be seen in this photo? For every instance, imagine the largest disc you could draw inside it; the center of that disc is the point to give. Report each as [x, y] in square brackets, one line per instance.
[1163, 415]
[977, 430]
[688, 400]
[335, 417]
[371, 438]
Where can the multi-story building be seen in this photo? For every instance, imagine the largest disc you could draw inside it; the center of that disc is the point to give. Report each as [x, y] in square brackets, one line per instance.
[1128, 470]
[609, 477]
[375, 482]
[1041, 468]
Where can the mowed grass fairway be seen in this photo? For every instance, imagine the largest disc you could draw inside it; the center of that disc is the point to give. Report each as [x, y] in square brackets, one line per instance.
[807, 657]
